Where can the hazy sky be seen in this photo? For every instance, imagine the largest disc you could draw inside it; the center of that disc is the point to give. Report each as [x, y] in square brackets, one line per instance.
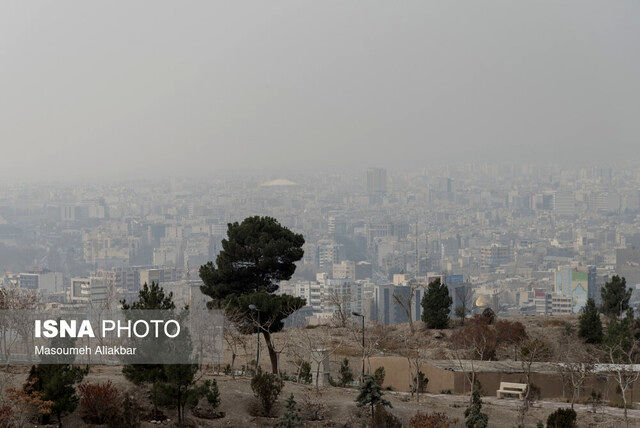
[165, 88]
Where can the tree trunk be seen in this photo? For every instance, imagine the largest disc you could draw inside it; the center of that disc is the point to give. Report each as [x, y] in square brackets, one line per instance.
[273, 356]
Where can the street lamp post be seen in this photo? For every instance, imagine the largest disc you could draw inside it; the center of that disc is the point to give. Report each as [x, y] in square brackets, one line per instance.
[254, 308]
[357, 314]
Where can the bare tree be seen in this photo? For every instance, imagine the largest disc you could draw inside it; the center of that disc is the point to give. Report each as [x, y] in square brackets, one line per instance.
[531, 351]
[623, 355]
[406, 300]
[574, 365]
[465, 304]
[15, 320]
[476, 341]
[416, 355]
[341, 303]
[308, 340]
[236, 341]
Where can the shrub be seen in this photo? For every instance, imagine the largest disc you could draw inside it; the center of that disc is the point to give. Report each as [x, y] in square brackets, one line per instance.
[489, 316]
[99, 402]
[267, 388]
[382, 418]
[346, 377]
[432, 420]
[305, 372]
[291, 417]
[313, 411]
[420, 382]
[23, 405]
[562, 418]
[211, 393]
[473, 414]
[378, 375]
[371, 395]
[129, 414]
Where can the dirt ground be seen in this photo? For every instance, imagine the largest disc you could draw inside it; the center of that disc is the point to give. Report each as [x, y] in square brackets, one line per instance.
[338, 405]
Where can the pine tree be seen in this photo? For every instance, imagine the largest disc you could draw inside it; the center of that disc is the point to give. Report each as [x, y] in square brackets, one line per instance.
[615, 297]
[346, 376]
[291, 417]
[56, 381]
[590, 328]
[371, 394]
[178, 388]
[473, 414]
[257, 254]
[436, 305]
[305, 372]
[149, 298]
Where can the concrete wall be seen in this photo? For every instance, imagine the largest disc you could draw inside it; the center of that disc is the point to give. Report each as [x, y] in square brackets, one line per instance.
[398, 376]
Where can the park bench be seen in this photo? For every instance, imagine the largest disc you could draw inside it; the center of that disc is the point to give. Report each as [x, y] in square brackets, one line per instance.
[508, 389]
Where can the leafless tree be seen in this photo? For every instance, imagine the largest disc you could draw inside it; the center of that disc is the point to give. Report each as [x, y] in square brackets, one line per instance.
[308, 340]
[406, 300]
[623, 355]
[236, 341]
[464, 294]
[15, 319]
[531, 351]
[574, 365]
[340, 301]
[415, 354]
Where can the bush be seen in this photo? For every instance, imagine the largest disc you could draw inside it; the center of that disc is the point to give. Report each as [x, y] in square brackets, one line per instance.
[292, 417]
[305, 372]
[312, 410]
[420, 382]
[432, 420]
[489, 316]
[382, 418]
[562, 418]
[129, 414]
[211, 393]
[378, 375]
[99, 403]
[473, 414]
[267, 388]
[346, 377]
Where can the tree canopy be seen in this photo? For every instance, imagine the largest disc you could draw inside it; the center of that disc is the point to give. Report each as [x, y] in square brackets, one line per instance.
[590, 328]
[615, 296]
[257, 254]
[436, 305]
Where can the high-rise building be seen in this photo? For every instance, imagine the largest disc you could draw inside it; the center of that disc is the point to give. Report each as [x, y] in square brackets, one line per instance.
[565, 204]
[376, 182]
[577, 283]
[495, 255]
[88, 290]
[628, 265]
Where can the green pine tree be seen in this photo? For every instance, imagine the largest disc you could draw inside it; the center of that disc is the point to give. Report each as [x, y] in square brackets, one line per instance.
[619, 335]
[371, 394]
[346, 376]
[57, 381]
[590, 328]
[305, 372]
[257, 254]
[615, 297]
[473, 414]
[436, 305]
[291, 417]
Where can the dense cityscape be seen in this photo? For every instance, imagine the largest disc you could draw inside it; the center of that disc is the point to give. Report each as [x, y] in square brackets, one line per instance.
[520, 239]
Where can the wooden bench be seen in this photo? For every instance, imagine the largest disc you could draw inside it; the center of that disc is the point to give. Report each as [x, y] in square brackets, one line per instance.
[508, 389]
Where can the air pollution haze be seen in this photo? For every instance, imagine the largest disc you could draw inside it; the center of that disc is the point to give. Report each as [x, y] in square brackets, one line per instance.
[164, 88]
